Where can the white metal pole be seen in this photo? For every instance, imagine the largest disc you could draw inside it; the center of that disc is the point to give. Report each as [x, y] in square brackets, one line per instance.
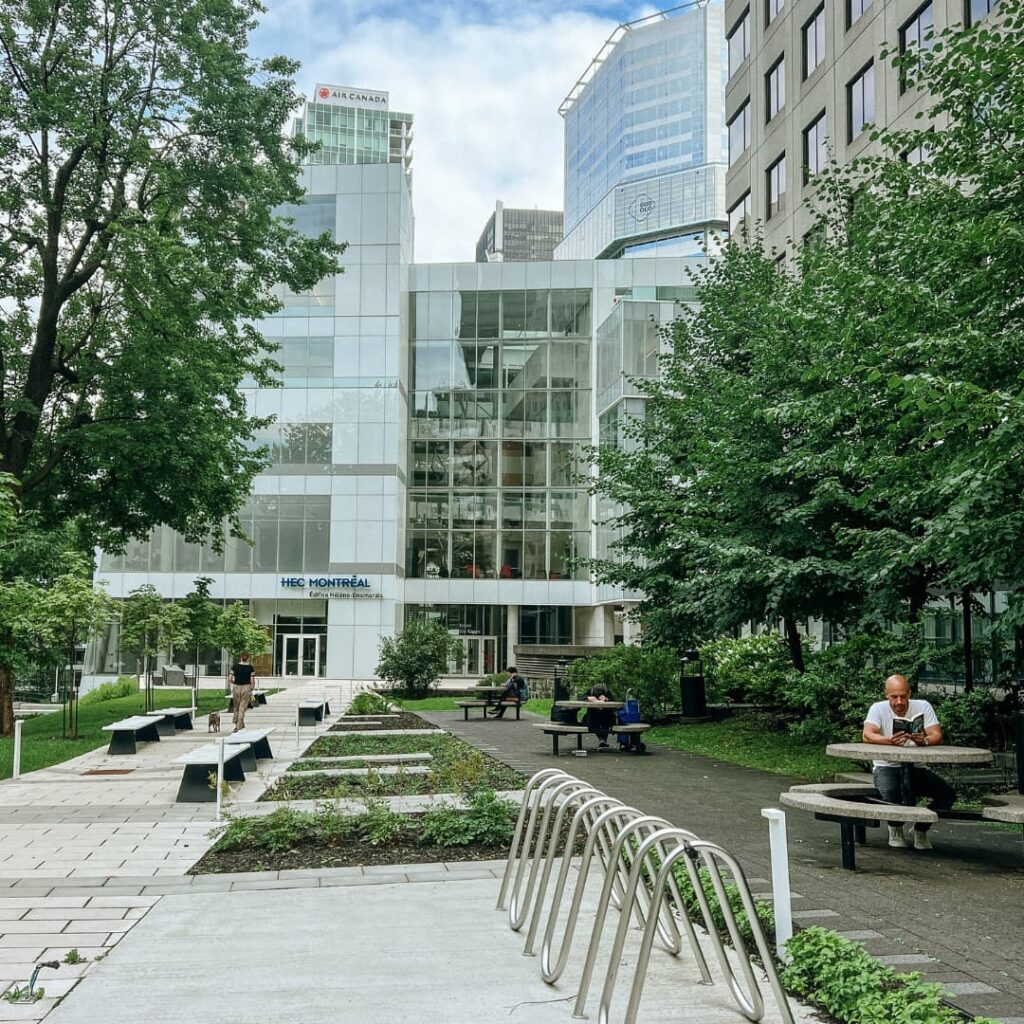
[296, 728]
[781, 895]
[16, 767]
[220, 773]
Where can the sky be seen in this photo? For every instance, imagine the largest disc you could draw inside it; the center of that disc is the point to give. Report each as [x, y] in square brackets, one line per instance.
[482, 80]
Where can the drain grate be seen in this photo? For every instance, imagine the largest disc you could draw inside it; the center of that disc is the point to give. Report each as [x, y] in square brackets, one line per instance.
[109, 771]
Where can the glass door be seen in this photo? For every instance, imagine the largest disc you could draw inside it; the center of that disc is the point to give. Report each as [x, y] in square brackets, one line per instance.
[478, 657]
[300, 655]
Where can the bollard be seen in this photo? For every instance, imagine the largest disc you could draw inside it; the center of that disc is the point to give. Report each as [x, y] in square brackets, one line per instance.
[16, 767]
[780, 879]
[220, 773]
[1018, 748]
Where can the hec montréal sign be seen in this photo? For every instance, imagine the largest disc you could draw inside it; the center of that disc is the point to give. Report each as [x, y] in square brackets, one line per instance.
[350, 97]
[330, 586]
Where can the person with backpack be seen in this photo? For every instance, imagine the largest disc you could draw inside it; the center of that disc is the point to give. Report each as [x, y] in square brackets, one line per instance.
[516, 688]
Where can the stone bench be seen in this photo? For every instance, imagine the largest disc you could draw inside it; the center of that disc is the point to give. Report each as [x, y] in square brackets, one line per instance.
[128, 731]
[557, 729]
[853, 806]
[634, 730]
[259, 742]
[509, 702]
[256, 698]
[172, 720]
[312, 711]
[1006, 807]
[202, 762]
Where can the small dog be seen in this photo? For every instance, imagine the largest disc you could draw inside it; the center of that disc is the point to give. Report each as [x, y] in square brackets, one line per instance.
[213, 722]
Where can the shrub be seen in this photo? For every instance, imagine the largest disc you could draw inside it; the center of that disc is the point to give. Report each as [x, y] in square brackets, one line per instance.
[125, 686]
[749, 669]
[379, 824]
[277, 832]
[652, 673]
[968, 719]
[416, 659]
[487, 821]
[369, 703]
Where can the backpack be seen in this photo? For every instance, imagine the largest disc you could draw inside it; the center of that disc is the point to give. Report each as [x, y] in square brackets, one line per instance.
[524, 688]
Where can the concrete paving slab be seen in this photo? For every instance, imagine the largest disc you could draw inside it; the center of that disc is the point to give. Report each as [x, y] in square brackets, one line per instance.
[394, 954]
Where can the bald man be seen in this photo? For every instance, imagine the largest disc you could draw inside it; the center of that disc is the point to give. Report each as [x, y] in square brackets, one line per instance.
[878, 729]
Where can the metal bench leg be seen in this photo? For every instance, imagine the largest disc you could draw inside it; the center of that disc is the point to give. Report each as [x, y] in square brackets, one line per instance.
[195, 785]
[465, 714]
[122, 743]
[846, 831]
[262, 750]
[860, 835]
[247, 759]
[579, 741]
[165, 727]
[518, 706]
[554, 743]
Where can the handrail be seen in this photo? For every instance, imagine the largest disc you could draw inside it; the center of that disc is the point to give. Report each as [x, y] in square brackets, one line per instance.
[534, 786]
[750, 1002]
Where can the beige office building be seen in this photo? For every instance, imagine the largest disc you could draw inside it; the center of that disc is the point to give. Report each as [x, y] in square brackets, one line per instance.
[806, 81]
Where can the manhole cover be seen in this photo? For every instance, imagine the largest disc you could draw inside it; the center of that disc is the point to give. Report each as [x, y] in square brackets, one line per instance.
[109, 771]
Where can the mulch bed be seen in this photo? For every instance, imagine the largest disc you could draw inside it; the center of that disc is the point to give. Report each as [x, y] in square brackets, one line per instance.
[401, 720]
[342, 853]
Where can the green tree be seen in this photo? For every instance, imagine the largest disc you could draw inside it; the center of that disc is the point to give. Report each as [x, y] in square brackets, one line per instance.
[417, 658]
[239, 633]
[143, 159]
[151, 626]
[202, 618]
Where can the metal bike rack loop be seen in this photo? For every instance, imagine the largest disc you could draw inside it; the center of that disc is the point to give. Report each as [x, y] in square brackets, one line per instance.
[710, 855]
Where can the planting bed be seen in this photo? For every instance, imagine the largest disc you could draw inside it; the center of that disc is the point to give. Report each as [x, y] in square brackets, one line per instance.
[395, 720]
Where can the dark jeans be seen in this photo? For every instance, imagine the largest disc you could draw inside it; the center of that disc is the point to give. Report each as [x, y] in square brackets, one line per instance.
[599, 723]
[923, 783]
[511, 693]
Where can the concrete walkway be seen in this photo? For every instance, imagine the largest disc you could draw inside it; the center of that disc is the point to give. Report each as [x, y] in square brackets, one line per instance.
[953, 914]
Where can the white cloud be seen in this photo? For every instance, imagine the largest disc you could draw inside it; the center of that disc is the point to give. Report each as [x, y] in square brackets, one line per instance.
[484, 96]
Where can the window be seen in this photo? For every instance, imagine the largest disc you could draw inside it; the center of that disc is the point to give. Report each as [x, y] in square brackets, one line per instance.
[854, 9]
[775, 88]
[860, 102]
[739, 133]
[917, 155]
[815, 151]
[814, 41]
[776, 182]
[739, 42]
[771, 9]
[916, 33]
[739, 215]
[975, 10]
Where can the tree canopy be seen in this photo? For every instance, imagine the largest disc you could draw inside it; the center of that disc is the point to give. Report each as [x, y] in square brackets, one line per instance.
[143, 158]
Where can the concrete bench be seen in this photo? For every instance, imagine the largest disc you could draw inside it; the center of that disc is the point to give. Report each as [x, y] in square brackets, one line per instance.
[1007, 807]
[201, 763]
[853, 806]
[258, 740]
[634, 730]
[486, 704]
[256, 699]
[125, 733]
[312, 711]
[172, 720]
[557, 729]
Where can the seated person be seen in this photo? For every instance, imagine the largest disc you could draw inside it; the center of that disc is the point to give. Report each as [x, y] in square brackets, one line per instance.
[515, 687]
[878, 729]
[597, 719]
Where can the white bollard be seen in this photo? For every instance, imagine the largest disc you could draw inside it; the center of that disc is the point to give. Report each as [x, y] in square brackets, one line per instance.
[220, 773]
[16, 767]
[781, 896]
[296, 728]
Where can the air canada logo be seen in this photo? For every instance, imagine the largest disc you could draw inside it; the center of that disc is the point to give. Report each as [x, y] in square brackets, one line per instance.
[324, 93]
[642, 207]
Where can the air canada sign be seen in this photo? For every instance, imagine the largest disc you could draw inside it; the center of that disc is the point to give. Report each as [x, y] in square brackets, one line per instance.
[330, 586]
[351, 97]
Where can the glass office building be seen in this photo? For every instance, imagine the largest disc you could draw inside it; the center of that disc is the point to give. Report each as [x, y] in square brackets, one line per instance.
[519, 236]
[645, 152]
[425, 449]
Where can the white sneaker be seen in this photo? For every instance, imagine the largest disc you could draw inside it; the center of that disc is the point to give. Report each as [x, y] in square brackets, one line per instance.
[921, 841]
[896, 837]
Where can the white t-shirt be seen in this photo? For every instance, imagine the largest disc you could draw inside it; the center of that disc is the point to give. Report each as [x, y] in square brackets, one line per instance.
[881, 714]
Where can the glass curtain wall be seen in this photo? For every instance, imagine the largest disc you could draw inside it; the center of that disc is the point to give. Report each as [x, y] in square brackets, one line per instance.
[500, 409]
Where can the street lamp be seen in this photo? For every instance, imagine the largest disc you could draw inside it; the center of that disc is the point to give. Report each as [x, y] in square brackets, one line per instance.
[692, 696]
[560, 691]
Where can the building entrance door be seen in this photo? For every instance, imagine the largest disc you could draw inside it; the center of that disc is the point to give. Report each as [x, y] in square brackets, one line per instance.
[300, 655]
[479, 658]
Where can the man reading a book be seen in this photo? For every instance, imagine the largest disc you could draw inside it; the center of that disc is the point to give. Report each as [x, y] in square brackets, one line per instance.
[895, 722]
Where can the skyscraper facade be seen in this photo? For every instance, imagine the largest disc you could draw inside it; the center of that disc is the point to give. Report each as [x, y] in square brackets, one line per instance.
[519, 235]
[644, 141]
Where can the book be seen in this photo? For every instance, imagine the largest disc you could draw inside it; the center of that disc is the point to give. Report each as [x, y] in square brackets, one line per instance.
[911, 725]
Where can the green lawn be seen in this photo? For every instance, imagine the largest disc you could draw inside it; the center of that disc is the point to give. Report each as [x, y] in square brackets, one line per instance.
[540, 707]
[42, 744]
[745, 741]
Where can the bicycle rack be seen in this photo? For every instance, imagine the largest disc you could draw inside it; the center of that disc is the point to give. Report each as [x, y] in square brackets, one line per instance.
[638, 854]
[750, 1002]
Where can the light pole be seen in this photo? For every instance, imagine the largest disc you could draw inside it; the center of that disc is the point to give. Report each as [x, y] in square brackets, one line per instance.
[692, 696]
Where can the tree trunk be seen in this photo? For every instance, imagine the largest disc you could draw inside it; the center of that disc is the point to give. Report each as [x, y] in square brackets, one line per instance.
[796, 648]
[965, 600]
[6, 701]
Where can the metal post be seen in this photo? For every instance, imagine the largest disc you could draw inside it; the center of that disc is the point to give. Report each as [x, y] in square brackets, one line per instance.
[296, 727]
[220, 773]
[1018, 747]
[781, 896]
[16, 767]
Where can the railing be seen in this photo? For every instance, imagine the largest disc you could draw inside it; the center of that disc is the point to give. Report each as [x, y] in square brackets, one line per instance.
[638, 855]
